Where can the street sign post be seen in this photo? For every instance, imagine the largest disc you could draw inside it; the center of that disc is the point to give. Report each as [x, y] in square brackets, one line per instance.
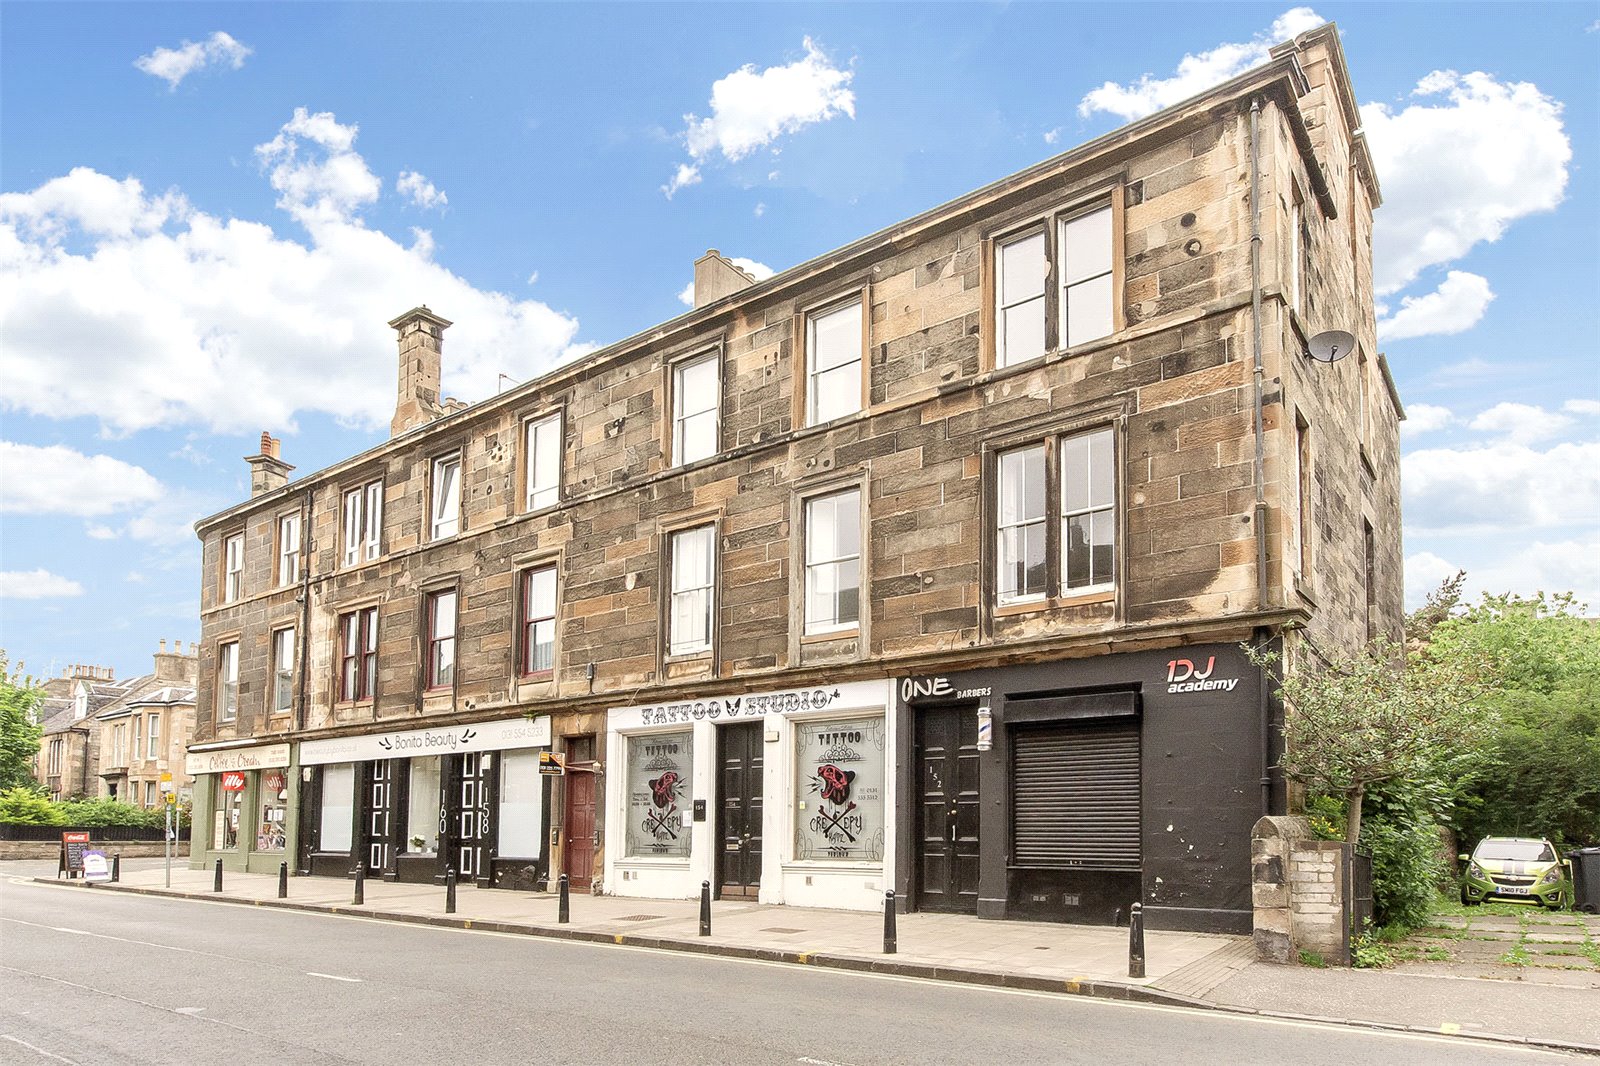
[169, 845]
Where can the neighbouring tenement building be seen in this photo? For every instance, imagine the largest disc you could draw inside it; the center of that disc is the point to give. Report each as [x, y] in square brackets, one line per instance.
[922, 565]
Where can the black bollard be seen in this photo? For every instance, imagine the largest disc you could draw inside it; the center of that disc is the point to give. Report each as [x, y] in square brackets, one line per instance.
[116, 867]
[361, 885]
[891, 942]
[283, 880]
[563, 906]
[1136, 941]
[449, 891]
[705, 908]
[216, 878]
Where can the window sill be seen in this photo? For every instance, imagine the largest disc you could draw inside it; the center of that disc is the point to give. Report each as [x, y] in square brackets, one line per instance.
[1366, 461]
[689, 656]
[1077, 599]
[538, 677]
[365, 701]
[827, 635]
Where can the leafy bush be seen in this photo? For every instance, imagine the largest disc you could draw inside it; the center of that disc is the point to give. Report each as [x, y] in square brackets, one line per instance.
[1405, 867]
[29, 806]
[103, 812]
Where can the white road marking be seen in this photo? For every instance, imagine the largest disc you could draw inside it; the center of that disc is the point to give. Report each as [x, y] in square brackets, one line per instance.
[125, 940]
[333, 977]
[57, 928]
[37, 1049]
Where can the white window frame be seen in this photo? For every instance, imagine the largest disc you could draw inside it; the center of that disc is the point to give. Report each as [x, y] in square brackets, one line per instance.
[138, 737]
[541, 493]
[813, 375]
[289, 548]
[1080, 282]
[282, 673]
[1032, 524]
[444, 506]
[685, 593]
[153, 725]
[1059, 286]
[363, 523]
[1003, 303]
[707, 407]
[441, 640]
[1092, 509]
[232, 567]
[528, 623]
[1296, 226]
[228, 681]
[816, 565]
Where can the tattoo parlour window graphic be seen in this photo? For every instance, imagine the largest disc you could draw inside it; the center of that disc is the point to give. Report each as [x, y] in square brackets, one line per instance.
[840, 800]
[658, 795]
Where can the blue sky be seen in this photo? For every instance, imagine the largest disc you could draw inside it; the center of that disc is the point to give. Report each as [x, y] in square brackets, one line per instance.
[208, 212]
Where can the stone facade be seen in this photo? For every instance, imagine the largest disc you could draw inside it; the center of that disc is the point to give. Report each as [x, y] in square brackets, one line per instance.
[1174, 381]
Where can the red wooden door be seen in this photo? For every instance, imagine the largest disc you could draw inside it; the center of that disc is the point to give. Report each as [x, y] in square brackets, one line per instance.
[578, 831]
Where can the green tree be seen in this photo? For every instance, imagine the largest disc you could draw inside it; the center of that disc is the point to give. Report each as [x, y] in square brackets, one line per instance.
[1355, 721]
[19, 733]
[1538, 770]
[28, 806]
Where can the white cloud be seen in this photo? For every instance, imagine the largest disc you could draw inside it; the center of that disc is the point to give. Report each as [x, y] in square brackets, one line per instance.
[134, 577]
[1571, 565]
[58, 480]
[1454, 307]
[1052, 136]
[760, 209]
[533, 279]
[682, 178]
[36, 585]
[1459, 172]
[98, 531]
[1425, 418]
[131, 309]
[1582, 407]
[759, 271]
[1520, 423]
[172, 65]
[1196, 73]
[751, 109]
[1501, 486]
[420, 191]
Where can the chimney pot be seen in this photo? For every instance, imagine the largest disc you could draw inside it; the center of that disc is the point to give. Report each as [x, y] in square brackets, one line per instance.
[268, 473]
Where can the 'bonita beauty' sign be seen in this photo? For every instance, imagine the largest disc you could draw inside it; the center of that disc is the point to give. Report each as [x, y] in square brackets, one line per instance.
[436, 740]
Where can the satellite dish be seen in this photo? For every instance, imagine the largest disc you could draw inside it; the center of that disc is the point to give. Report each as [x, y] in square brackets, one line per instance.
[1331, 345]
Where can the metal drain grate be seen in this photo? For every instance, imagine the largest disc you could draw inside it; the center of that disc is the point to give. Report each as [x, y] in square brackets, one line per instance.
[780, 929]
[640, 918]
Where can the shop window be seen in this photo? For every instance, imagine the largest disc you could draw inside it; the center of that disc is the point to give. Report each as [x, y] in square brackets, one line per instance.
[230, 810]
[693, 577]
[660, 768]
[282, 671]
[441, 639]
[542, 454]
[833, 362]
[537, 653]
[840, 799]
[445, 510]
[363, 523]
[694, 410]
[272, 829]
[289, 549]
[233, 568]
[423, 806]
[228, 681]
[338, 806]
[358, 654]
[833, 562]
[521, 825]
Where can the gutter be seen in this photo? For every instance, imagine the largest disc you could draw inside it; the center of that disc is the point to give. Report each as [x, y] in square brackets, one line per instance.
[1259, 471]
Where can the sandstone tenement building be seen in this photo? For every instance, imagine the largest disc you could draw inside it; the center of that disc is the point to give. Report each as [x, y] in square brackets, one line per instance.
[921, 565]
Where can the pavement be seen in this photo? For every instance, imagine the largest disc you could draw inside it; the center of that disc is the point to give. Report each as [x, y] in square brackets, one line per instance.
[1557, 1008]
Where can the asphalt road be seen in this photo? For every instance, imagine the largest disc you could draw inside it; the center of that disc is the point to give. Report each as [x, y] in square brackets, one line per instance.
[100, 977]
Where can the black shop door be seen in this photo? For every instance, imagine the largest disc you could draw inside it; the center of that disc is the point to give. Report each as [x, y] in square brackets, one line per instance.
[739, 759]
[468, 827]
[378, 815]
[947, 809]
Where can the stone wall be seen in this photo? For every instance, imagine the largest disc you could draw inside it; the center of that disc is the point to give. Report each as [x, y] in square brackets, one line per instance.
[1299, 889]
[46, 849]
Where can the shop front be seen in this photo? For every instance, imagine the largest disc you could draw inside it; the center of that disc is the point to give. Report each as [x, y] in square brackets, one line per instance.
[1068, 791]
[411, 804]
[780, 797]
[242, 812]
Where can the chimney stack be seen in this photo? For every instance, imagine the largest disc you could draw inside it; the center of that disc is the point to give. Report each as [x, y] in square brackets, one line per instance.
[715, 276]
[175, 667]
[268, 473]
[421, 336]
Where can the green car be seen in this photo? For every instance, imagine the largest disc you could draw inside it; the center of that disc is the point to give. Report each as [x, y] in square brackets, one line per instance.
[1523, 869]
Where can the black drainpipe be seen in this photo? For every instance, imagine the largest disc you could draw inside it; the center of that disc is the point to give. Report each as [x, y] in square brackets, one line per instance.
[305, 613]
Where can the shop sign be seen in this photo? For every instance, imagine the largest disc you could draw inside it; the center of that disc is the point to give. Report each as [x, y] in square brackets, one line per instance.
[232, 781]
[913, 689]
[1184, 675]
[440, 740]
[552, 763]
[73, 845]
[858, 694]
[255, 757]
[95, 866]
[275, 781]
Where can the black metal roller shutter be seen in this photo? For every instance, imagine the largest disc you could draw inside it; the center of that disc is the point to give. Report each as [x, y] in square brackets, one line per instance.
[1076, 796]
